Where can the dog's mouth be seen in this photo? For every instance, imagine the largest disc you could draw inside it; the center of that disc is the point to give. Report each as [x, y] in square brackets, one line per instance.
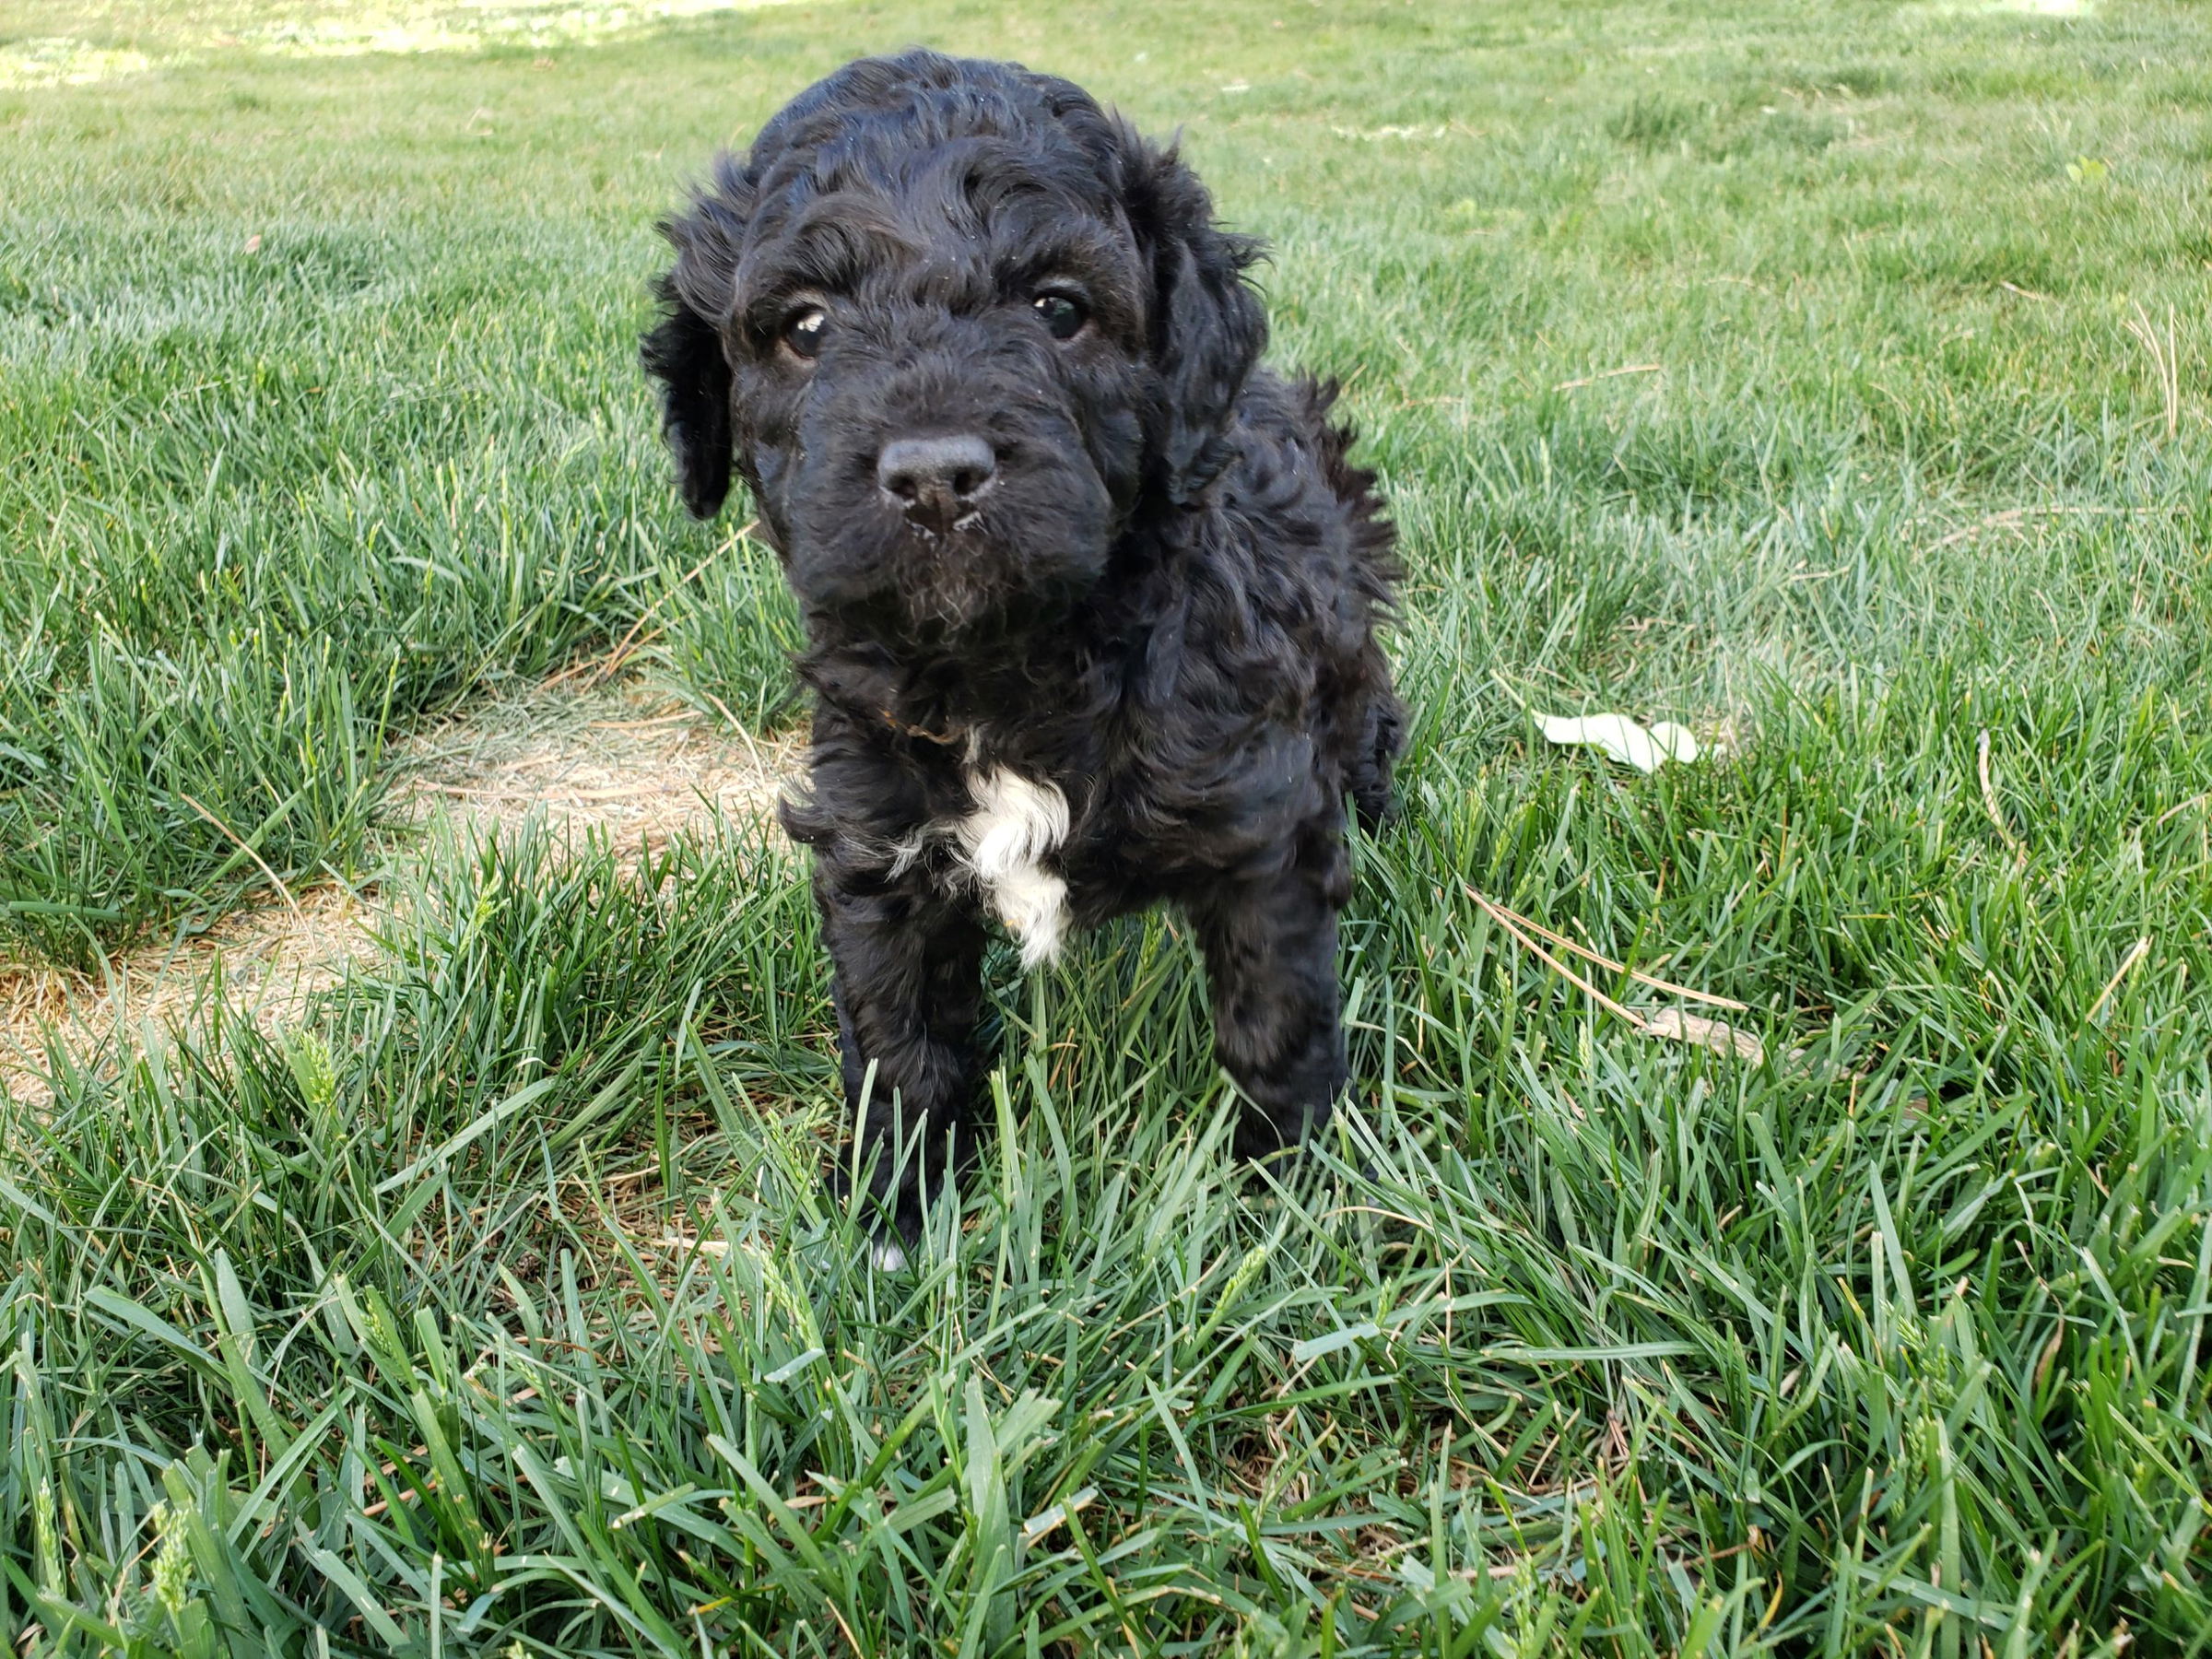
[944, 535]
[969, 528]
[986, 575]
[967, 522]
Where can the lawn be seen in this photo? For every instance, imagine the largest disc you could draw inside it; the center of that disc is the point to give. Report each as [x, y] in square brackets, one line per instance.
[1830, 378]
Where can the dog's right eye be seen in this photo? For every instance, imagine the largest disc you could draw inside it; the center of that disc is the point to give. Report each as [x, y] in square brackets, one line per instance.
[804, 332]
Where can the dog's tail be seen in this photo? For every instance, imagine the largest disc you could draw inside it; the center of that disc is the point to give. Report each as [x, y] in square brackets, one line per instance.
[1382, 734]
[1375, 539]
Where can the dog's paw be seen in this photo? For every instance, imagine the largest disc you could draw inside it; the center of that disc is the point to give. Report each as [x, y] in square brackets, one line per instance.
[891, 1222]
[1261, 1140]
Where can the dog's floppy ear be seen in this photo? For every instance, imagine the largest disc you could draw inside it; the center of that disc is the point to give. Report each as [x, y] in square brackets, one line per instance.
[1209, 327]
[685, 353]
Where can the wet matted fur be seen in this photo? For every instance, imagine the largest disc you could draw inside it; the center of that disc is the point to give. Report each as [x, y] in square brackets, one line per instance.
[1090, 597]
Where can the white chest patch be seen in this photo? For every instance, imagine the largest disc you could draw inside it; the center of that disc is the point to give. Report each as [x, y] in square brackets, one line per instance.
[1016, 825]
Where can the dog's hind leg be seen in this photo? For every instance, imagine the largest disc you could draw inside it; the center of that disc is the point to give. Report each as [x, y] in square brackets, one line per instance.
[909, 989]
[1270, 951]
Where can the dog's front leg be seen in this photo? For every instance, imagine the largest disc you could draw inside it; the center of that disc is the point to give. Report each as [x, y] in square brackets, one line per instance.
[1270, 951]
[909, 988]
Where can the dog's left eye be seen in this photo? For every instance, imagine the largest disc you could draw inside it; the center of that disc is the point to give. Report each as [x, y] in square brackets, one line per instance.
[1063, 318]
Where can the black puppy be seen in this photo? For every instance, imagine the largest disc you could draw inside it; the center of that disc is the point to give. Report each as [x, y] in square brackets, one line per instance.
[1091, 599]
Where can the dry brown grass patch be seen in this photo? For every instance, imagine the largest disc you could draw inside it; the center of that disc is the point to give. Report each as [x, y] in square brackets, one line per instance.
[623, 759]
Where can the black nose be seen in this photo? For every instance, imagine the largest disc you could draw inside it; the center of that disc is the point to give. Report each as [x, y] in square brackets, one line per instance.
[936, 479]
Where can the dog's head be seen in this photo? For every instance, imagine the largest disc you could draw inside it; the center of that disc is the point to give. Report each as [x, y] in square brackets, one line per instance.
[954, 325]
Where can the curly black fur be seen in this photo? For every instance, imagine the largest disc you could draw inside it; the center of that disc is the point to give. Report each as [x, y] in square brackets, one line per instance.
[1118, 562]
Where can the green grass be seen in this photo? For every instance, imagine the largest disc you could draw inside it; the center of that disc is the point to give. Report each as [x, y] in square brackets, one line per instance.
[367, 1335]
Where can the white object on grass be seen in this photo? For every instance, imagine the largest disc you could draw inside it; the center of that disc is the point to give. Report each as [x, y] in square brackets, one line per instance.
[1645, 748]
[1680, 1025]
